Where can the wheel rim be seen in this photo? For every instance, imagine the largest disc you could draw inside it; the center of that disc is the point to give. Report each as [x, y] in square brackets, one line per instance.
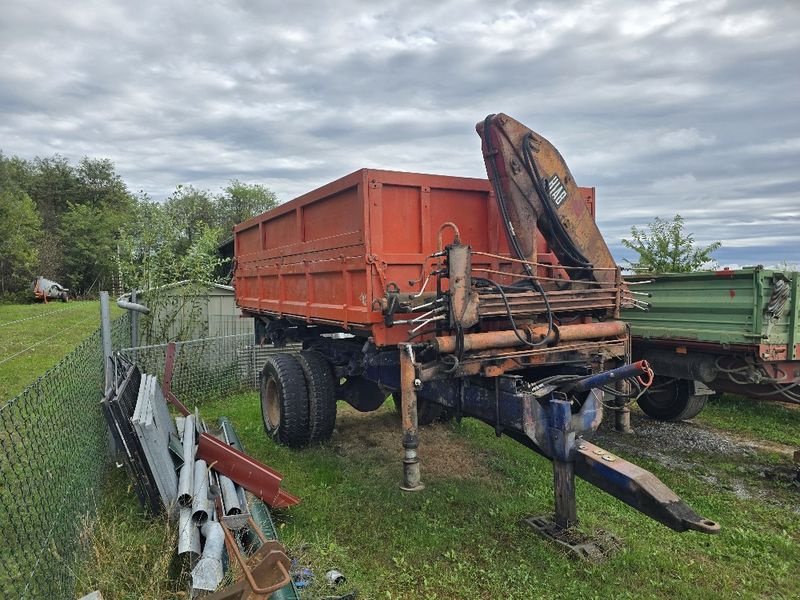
[270, 403]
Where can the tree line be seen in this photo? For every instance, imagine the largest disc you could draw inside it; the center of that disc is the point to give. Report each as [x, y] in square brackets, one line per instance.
[80, 225]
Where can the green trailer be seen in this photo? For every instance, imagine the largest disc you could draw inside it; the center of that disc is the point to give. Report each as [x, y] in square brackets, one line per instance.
[716, 331]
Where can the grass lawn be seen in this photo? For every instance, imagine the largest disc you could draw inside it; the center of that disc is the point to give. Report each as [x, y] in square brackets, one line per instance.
[34, 337]
[461, 537]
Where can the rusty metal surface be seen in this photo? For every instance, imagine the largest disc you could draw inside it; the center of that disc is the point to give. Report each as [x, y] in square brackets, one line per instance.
[263, 573]
[509, 339]
[328, 256]
[515, 157]
[408, 410]
[254, 476]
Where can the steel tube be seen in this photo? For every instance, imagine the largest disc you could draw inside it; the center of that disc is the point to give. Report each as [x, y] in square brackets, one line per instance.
[208, 572]
[188, 533]
[186, 477]
[201, 503]
[230, 499]
[105, 326]
[134, 323]
[508, 338]
[609, 377]
[133, 306]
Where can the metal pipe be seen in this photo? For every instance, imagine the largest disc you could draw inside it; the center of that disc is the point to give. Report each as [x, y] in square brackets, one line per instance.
[186, 477]
[456, 234]
[188, 533]
[134, 323]
[230, 498]
[201, 503]
[508, 338]
[139, 308]
[208, 572]
[105, 326]
[608, 377]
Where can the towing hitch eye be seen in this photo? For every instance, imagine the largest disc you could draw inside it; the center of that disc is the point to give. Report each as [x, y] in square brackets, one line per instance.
[556, 433]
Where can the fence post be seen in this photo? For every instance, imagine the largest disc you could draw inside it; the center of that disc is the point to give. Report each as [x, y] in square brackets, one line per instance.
[134, 322]
[105, 328]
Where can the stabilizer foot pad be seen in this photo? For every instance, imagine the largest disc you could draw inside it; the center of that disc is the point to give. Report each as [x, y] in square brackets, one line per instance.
[417, 488]
[594, 548]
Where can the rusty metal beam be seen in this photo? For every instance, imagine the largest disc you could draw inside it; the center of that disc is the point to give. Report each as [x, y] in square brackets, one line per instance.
[509, 338]
[254, 476]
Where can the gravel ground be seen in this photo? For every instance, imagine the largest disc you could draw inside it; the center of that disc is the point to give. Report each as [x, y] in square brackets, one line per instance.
[685, 437]
[708, 455]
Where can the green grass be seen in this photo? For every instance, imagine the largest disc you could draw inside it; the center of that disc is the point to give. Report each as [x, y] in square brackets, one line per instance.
[461, 537]
[129, 555]
[34, 337]
[771, 421]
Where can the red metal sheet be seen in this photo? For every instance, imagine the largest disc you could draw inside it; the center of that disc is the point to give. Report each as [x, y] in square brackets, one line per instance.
[254, 476]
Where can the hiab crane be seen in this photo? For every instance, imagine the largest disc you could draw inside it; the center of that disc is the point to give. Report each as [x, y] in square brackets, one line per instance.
[496, 299]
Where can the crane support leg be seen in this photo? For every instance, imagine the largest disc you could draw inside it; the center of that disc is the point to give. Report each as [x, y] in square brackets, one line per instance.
[412, 481]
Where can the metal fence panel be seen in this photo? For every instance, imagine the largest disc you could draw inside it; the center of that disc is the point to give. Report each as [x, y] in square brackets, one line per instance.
[207, 368]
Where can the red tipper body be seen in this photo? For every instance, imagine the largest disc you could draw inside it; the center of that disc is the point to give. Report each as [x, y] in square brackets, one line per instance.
[328, 256]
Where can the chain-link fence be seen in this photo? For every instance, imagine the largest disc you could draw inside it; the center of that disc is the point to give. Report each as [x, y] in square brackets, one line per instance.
[54, 447]
[53, 456]
[207, 368]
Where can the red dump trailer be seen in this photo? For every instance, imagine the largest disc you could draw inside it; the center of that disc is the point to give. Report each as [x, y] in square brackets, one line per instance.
[496, 299]
[331, 256]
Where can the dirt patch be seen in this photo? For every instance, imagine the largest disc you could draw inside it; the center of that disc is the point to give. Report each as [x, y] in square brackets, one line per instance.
[663, 437]
[689, 437]
[443, 453]
[684, 446]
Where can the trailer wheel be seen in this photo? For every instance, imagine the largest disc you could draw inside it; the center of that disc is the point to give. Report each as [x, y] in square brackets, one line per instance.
[321, 398]
[284, 400]
[671, 400]
[427, 412]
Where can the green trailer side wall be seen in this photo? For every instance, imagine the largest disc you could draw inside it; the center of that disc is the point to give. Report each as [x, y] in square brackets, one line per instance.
[726, 307]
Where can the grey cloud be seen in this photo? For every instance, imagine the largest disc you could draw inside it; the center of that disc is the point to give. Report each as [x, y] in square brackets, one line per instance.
[665, 107]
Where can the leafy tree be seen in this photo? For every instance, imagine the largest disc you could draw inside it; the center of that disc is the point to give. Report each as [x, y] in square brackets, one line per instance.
[99, 185]
[152, 257]
[191, 210]
[15, 172]
[52, 184]
[664, 247]
[20, 232]
[89, 235]
[240, 201]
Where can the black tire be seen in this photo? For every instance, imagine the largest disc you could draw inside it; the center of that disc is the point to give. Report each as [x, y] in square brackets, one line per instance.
[284, 400]
[321, 398]
[671, 400]
[427, 412]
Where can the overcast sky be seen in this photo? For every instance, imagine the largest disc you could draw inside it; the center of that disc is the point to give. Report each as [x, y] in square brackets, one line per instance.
[666, 107]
